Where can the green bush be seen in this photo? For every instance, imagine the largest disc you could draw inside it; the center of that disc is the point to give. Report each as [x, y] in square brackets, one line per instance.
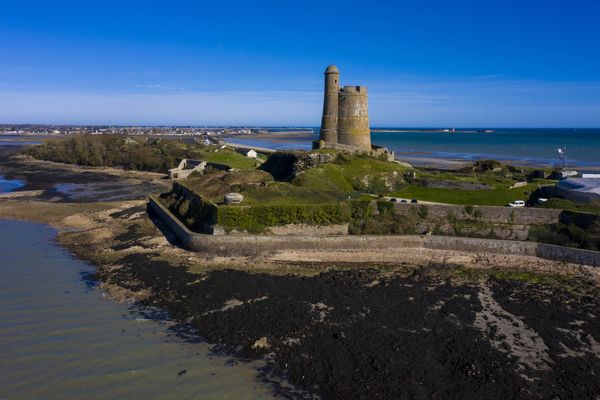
[256, 218]
[197, 213]
[592, 207]
[132, 152]
[110, 151]
[568, 234]
[423, 211]
[386, 221]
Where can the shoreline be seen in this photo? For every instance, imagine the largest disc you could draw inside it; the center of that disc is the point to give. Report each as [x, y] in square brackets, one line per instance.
[330, 323]
[427, 159]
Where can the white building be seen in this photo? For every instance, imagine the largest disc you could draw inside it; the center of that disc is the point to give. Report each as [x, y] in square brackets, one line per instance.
[251, 154]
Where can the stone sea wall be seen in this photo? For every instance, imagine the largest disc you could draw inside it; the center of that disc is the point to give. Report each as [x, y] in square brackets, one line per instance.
[491, 214]
[248, 245]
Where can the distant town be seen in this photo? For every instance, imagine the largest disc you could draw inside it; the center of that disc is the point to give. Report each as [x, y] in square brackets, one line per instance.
[31, 129]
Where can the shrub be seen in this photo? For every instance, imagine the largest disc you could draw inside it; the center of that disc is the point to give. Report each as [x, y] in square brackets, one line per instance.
[256, 218]
[110, 151]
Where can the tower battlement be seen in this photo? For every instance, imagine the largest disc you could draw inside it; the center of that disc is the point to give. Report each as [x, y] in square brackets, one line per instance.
[358, 90]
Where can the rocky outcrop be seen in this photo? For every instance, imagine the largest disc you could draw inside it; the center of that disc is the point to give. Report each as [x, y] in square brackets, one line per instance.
[286, 165]
[312, 160]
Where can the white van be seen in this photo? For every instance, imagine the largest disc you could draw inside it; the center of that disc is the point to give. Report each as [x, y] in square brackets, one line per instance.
[517, 203]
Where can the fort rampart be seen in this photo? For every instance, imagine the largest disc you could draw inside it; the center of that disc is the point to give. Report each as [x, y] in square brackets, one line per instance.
[491, 214]
[248, 245]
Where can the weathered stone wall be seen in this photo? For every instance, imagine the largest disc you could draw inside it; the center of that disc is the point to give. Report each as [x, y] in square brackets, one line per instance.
[198, 212]
[329, 121]
[353, 117]
[247, 245]
[186, 167]
[177, 228]
[376, 151]
[491, 214]
[311, 230]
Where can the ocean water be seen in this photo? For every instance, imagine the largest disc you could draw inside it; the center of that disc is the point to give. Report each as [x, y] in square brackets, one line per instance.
[61, 339]
[522, 146]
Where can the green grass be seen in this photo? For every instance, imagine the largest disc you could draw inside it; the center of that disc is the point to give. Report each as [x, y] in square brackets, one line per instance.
[214, 186]
[226, 157]
[327, 183]
[499, 196]
[280, 193]
[592, 207]
[354, 165]
[350, 176]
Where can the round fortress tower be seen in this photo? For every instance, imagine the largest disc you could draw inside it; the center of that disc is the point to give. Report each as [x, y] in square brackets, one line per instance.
[329, 121]
[353, 117]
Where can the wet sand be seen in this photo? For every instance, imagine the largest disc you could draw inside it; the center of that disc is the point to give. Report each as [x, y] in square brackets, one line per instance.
[434, 324]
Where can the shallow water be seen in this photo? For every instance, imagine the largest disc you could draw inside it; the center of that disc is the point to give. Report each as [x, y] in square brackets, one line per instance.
[8, 185]
[21, 140]
[525, 146]
[61, 339]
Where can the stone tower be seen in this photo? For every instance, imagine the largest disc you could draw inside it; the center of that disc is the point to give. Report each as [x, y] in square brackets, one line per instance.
[345, 113]
[353, 117]
[329, 122]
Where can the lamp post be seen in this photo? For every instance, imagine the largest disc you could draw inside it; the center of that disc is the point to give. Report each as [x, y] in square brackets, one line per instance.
[562, 155]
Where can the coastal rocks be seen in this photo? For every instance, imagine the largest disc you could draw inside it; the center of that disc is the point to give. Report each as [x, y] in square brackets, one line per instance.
[261, 344]
[379, 182]
[233, 198]
[286, 165]
[312, 160]
[407, 335]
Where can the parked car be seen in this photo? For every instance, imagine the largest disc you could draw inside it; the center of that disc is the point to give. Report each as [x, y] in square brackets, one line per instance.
[517, 203]
[414, 201]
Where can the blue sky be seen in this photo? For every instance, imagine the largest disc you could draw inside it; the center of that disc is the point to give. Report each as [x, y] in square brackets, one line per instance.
[528, 63]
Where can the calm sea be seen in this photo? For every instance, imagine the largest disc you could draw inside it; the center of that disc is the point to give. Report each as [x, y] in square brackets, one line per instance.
[526, 146]
[60, 339]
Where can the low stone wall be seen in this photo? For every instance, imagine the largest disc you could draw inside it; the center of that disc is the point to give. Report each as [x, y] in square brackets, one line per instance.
[312, 230]
[491, 214]
[186, 167]
[475, 245]
[248, 245]
[181, 232]
[376, 151]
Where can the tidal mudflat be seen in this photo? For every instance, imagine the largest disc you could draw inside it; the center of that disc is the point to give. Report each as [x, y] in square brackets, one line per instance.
[424, 324]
